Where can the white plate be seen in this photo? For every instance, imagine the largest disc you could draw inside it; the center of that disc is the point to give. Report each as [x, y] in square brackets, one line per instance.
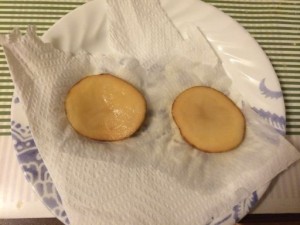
[243, 59]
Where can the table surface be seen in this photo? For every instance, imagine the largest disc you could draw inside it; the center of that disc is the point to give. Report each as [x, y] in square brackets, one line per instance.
[275, 24]
[265, 219]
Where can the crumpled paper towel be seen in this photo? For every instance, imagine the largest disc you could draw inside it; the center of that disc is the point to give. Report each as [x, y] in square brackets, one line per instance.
[141, 29]
[154, 177]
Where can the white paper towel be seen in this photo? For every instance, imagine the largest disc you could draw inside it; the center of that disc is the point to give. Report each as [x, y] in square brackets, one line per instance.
[141, 29]
[153, 177]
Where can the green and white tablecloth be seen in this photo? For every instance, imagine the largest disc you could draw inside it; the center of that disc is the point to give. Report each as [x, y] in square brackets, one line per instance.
[275, 24]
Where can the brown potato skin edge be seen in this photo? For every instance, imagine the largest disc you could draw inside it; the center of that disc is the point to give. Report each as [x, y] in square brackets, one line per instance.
[95, 139]
[205, 150]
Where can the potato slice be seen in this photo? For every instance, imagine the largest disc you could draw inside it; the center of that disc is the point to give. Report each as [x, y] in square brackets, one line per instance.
[208, 120]
[104, 107]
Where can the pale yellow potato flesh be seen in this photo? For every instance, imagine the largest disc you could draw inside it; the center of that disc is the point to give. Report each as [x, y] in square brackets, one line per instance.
[104, 107]
[208, 119]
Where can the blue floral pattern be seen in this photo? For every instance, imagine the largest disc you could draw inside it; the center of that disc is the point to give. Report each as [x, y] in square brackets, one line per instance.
[267, 92]
[34, 168]
[278, 122]
[238, 211]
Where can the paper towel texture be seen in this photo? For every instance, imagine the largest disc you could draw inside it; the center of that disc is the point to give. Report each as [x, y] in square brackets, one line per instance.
[153, 177]
[140, 29]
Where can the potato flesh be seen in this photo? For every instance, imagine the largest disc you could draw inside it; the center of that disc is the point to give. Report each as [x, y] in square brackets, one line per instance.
[104, 107]
[208, 120]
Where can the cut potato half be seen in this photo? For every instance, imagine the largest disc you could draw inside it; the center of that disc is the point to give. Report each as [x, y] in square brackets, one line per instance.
[104, 107]
[208, 120]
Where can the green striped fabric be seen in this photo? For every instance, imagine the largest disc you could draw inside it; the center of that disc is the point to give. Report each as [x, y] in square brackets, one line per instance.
[21, 13]
[275, 24]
